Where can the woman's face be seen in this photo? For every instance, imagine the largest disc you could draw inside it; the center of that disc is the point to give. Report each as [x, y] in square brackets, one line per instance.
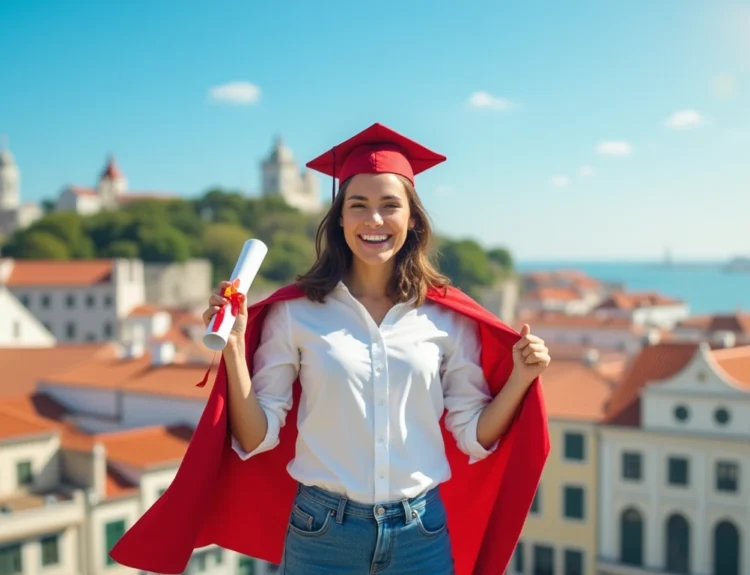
[376, 217]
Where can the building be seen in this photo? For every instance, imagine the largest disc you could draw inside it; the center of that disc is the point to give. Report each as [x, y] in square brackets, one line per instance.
[13, 214]
[675, 464]
[77, 300]
[281, 176]
[645, 308]
[19, 328]
[111, 191]
[560, 535]
[555, 299]
[721, 329]
[185, 284]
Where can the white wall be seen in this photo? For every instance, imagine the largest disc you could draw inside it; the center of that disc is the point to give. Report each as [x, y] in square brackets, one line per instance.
[110, 510]
[85, 400]
[140, 410]
[19, 327]
[42, 452]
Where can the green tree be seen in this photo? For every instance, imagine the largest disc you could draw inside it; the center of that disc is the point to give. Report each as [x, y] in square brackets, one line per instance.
[69, 228]
[110, 227]
[37, 244]
[222, 244]
[501, 257]
[466, 263]
[121, 249]
[288, 255]
[163, 243]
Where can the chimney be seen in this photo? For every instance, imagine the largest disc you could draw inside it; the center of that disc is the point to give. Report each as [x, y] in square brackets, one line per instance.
[162, 352]
[99, 471]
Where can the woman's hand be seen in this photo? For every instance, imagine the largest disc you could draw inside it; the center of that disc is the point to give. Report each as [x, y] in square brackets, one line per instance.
[530, 357]
[216, 302]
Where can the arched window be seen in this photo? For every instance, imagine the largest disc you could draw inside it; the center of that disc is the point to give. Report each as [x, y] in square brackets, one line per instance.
[678, 544]
[631, 537]
[726, 549]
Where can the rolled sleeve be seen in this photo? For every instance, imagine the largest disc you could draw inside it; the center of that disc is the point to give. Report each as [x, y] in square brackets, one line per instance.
[275, 368]
[465, 389]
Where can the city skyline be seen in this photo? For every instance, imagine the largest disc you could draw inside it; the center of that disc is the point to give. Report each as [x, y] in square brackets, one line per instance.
[567, 126]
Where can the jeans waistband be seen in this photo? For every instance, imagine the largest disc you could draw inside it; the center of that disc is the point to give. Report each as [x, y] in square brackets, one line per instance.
[344, 506]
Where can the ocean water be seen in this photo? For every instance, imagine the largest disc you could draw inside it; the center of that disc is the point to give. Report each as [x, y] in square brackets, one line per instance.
[706, 287]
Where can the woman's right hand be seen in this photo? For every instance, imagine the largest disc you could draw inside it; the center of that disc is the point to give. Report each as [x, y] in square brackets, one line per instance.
[216, 302]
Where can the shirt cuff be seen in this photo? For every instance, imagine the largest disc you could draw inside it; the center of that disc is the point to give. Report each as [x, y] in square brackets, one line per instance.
[270, 441]
[474, 449]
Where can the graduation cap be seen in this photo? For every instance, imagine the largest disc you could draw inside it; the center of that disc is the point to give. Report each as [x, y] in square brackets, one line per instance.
[375, 150]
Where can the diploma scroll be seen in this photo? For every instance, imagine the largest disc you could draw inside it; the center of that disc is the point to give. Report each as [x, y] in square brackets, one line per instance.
[247, 266]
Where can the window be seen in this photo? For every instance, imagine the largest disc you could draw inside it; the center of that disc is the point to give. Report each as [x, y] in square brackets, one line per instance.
[10, 559]
[50, 550]
[631, 537]
[677, 550]
[631, 465]
[198, 562]
[70, 330]
[727, 476]
[536, 504]
[573, 562]
[24, 299]
[70, 300]
[45, 301]
[544, 560]
[107, 330]
[681, 413]
[721, 416]
[678, 471]
[518, 558]
[108, 300]
[726, 549]
[113, 531]
[573, 503]
[246, 566]
[574, 447]
[24, 474]
[90, 300]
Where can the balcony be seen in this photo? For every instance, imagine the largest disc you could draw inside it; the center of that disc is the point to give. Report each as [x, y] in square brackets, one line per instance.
[29, 514]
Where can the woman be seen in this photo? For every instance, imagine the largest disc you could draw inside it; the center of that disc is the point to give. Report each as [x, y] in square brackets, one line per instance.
[367, 418]
[378, 364]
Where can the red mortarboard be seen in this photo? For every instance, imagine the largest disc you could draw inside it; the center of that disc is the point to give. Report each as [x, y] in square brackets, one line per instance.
[376, 150]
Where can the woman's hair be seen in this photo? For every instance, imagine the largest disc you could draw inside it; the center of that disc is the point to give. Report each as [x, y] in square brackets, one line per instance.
[413, 274]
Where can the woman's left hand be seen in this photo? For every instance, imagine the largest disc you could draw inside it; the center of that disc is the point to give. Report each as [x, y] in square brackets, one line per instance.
[530, 357]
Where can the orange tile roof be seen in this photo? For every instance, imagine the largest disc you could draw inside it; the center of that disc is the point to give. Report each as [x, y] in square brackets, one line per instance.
[117, 485]
[738, 323]
[553, 294]
[653, 363]
[564, 320]
[147, 446]
[735, 362]
[573, 390]
[22, 368]
[42, 273]
[145, 310]
[636, 300]
[15, 424]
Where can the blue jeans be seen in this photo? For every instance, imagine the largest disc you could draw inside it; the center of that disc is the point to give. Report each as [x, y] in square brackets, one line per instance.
[328, 533]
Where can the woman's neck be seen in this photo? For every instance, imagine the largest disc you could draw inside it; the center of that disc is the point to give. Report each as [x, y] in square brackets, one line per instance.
[369, 282]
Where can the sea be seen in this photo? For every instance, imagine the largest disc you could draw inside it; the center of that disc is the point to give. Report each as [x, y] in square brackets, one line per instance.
[707, 287]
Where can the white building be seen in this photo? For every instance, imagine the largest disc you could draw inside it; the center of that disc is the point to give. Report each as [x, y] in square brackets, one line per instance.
[77, 300]
[13, 214]
[675, 464]
[19, 328]
[280, 175]
[555, 299]
[732, 329]
[645, 308]
[111, 191]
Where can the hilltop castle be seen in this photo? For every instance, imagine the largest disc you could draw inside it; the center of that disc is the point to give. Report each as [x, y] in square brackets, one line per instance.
[280, 175]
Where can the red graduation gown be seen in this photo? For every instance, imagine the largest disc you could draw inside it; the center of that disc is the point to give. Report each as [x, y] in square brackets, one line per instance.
[244, 505]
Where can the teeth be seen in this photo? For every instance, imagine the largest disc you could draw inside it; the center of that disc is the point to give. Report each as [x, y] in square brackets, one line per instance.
[374, 238]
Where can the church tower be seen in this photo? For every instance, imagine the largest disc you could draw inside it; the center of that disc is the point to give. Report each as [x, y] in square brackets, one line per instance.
[280, 175]
[112, 184]
[10, 181]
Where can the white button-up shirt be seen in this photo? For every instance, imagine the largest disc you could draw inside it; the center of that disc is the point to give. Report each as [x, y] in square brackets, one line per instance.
[372, 396]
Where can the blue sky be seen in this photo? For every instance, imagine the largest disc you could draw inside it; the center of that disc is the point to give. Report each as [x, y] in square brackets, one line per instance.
[523, 97]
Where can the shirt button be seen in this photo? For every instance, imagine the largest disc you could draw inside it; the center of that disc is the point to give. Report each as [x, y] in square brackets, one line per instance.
[381, 510]
[381, 402]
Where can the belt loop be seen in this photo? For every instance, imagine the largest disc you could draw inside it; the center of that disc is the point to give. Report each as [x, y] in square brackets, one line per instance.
[407, 511]
[340, 510]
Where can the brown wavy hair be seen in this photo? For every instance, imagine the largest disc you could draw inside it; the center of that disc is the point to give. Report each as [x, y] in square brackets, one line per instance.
[414, 273]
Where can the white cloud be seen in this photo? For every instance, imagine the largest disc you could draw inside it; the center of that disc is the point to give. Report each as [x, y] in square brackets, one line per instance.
[586, 171]
[488, 101]
[684, 119]
[724, 86]
[242, 93]
[614, 148]
[560, 181]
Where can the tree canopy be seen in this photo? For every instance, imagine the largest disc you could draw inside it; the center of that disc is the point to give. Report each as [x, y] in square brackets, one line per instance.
[214, 227]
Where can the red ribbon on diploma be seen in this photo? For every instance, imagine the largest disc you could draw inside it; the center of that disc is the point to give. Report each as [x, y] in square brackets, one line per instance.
[234, 296]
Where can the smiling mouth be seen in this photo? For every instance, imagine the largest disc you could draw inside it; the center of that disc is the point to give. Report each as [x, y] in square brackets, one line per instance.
[375, 239]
